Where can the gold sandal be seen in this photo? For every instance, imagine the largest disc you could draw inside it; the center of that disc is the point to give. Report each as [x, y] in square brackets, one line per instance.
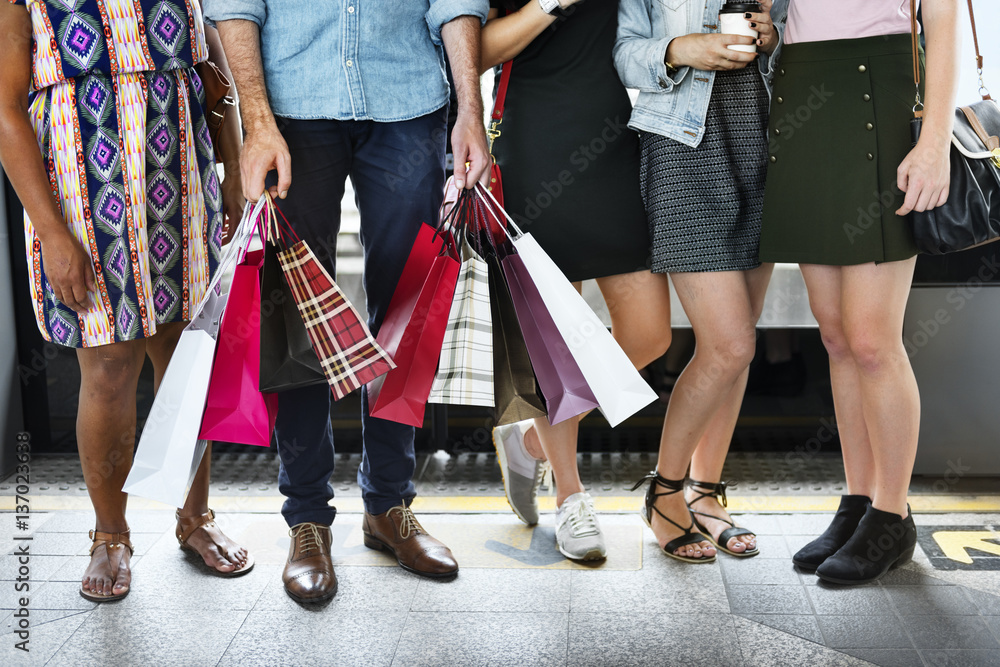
[186, 525]
[114, 545]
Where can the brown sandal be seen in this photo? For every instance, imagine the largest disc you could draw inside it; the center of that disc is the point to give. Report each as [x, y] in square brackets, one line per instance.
[186, 525]
[114, 544]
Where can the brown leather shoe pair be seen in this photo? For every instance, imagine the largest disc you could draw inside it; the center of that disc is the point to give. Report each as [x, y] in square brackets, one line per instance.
[308, 575]
[398, 532]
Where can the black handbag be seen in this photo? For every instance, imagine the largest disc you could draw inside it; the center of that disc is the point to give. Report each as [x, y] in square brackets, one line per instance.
[971, 216]
[287, 357]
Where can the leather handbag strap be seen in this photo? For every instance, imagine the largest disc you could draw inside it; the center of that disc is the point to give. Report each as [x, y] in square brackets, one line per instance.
[498, 104]
[916, 66]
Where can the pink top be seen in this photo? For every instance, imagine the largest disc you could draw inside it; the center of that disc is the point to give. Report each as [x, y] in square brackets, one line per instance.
[822, 20]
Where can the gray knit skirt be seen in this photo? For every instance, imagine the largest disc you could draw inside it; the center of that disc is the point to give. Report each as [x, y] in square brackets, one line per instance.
[704, 203]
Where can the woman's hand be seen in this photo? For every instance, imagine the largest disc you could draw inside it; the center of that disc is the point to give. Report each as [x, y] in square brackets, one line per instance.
[68, 270]
[709, 51]
[233, 202]
[767, 37]
[925, 176]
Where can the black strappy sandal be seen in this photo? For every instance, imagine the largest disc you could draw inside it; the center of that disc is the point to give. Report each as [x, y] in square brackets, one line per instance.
[690, 536]
[719, 491]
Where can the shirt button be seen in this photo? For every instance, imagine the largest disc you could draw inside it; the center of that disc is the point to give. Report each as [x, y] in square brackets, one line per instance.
[869, 126]
[350, 10]
[866, 97]
[862, 68]
[349, 63]
[780, 100]
[870, 156]
[663, 84]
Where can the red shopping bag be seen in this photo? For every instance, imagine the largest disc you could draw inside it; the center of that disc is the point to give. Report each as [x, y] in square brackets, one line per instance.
[414, 326]
[236, 410]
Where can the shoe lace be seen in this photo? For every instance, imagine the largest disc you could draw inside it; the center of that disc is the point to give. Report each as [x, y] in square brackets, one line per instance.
[308, 537]
[408, 524]
[582, 520]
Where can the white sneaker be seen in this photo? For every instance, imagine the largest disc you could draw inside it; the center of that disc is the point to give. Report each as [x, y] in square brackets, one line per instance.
[578, 535]
[522, 473]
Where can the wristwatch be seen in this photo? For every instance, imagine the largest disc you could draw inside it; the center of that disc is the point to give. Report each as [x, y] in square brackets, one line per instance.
[549, 6]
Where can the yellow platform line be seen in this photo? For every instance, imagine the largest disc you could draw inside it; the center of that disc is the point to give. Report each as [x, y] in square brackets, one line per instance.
[480, 504]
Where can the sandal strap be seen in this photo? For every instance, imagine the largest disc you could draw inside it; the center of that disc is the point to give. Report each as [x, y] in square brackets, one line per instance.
[673, 486]
[730, 533]
[713, 489]
[691, 537]
[717, 518]
[110, 539]
[186, 525]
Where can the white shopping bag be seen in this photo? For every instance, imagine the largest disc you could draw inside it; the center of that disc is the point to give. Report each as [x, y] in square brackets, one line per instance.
[169, 451]
[617, 385]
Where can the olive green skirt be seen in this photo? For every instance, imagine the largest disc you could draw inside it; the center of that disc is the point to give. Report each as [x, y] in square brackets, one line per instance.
[838, 130]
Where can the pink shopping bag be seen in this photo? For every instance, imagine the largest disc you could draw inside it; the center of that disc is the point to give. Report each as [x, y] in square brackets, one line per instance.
[236, 410]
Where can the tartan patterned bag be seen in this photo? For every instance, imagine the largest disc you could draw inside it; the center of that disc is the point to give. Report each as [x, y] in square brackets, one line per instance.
[347, 351]
[465, 371]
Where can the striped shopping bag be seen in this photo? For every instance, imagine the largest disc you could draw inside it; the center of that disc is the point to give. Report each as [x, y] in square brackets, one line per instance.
[347, 351]
[465, 370]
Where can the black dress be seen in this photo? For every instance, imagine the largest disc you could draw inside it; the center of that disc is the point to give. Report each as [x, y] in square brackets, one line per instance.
[570, 164]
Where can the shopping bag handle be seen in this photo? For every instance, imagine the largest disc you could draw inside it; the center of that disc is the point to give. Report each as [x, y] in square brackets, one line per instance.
[497, 207]
[274, 224]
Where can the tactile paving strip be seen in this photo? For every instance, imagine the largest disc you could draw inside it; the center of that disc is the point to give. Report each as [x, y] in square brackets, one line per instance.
[477, 474]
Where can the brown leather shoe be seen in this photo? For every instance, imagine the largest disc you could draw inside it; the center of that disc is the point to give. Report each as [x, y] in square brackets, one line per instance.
[308, 575]
[399, 532]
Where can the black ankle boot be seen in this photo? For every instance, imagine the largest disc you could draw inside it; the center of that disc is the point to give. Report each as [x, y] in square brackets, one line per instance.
[844, 523]
[882, 541]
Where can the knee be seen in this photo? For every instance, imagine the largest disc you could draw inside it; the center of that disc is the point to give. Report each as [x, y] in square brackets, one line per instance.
[871, 352]
[831, 331]
[650, 350]
[112, 376]
[735, 352]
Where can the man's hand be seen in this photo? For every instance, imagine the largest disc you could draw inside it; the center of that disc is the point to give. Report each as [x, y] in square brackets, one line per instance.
[68, 270]
[265, 149]
[468, 143]
[461, 37]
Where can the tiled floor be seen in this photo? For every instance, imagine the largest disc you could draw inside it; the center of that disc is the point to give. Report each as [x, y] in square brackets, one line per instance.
[631, 611]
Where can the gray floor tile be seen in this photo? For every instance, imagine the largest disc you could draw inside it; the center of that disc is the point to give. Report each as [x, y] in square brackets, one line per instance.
[987, 603]
[950, 632]
[804, 524]
[863, 632]
[60, 595]
[361, 588]
[637, 639]
[315, 637]
[749, 599]
[931, 600]
[771, 546]
[181, 583]
[650, 590]
[43, 643]
[111, 636]
[53, 544]
[457, 638]
[35, 618]
[905, 576]
[961, 658]
[796, 542]
[863, 601]
[758, 571]
[760, 524]
[886, 657]
[765, 647]
[39, 568]
[803, 626]
[496, 590]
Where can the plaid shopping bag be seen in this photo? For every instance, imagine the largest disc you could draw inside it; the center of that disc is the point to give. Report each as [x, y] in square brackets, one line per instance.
[347, 351]
[465, 370]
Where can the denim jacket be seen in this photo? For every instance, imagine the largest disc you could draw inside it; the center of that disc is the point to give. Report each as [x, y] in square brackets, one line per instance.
[379, 60]
[674, 107]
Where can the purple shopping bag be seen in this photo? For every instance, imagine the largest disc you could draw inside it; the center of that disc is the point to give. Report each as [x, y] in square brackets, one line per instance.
[566, 391]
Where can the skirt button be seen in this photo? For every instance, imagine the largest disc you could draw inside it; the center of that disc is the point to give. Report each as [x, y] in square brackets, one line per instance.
[862, 68]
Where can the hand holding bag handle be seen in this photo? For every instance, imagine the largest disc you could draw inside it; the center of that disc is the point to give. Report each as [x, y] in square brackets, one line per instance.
[971, 215]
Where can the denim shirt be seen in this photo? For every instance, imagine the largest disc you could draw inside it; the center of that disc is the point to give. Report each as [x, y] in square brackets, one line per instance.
[674, 107]
[380, 60]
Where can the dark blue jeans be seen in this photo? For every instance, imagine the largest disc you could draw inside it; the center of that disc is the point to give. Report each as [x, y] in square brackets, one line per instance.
[397, 170]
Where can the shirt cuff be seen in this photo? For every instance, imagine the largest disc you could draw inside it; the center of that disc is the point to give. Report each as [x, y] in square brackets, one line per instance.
[658, 66]
[443, 11]
[235, 10]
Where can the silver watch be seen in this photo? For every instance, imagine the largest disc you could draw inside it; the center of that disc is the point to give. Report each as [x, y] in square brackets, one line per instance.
[549, 6]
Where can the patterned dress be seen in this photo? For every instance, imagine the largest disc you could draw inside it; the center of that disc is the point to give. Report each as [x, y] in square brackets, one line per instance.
[118, 112]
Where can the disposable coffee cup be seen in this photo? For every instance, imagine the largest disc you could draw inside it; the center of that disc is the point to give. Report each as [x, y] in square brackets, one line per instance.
[732, 22]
